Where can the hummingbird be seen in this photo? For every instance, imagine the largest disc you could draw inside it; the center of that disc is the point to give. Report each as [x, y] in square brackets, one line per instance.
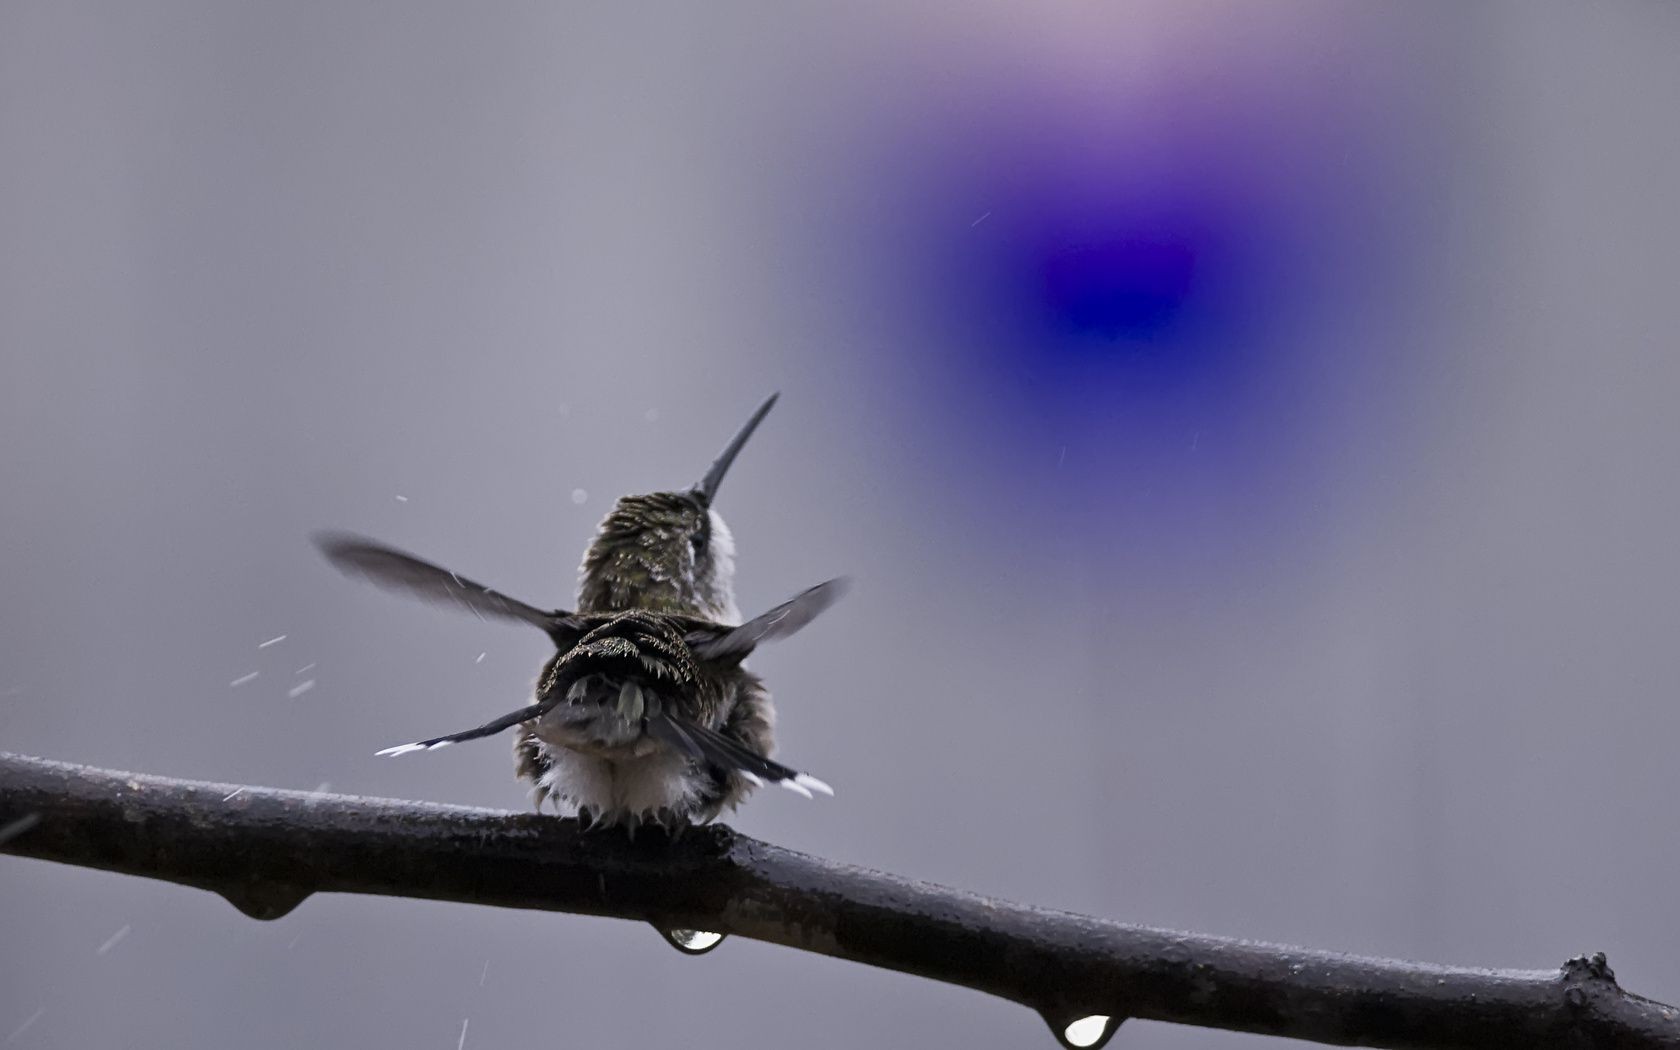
[645, 712]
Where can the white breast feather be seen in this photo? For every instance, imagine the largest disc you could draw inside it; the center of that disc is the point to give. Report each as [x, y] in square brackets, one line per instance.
[616, 789]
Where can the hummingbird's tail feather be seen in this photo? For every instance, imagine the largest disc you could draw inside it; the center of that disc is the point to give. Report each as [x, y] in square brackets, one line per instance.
[398, 570]
[490, 728]
[708, 745]
[779, 622]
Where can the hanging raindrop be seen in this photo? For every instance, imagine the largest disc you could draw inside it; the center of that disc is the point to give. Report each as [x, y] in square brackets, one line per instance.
[1084, 1033]
[692, 942]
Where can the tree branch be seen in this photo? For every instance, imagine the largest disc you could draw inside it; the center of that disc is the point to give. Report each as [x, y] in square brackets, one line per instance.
[267, 850]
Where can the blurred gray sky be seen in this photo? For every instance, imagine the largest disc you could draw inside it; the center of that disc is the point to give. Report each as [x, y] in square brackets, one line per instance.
[427, 271]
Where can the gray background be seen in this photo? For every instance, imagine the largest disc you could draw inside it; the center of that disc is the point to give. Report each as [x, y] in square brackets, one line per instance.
[264, 269]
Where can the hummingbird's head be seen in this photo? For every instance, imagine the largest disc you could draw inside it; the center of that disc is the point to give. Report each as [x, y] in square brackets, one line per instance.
[668, 551]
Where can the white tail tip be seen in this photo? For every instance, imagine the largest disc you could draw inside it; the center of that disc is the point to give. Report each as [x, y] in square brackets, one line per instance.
[796, 787]
[807, 780]
[403, 749]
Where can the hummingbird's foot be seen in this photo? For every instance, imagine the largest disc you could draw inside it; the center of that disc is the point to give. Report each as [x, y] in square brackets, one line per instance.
[669, 820]
[601, 819]
[672, 822]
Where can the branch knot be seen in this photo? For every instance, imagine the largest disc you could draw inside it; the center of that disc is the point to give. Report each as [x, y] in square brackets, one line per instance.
[1594, 967]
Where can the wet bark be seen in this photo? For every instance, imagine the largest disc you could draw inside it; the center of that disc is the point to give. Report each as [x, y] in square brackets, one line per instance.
[267, 850]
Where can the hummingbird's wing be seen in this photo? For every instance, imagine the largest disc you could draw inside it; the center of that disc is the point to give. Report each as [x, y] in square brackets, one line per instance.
[623, 645]
[490, 728]
[675, 731]
[710, 746]
[716, 642]
[620, 671]
[401, 571]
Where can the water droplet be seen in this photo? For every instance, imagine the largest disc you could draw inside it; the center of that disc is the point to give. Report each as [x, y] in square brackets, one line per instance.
[1085, 1033]
[263, 901]
[579, 495]
[693, 942]
[25, 1026]
[113, 940]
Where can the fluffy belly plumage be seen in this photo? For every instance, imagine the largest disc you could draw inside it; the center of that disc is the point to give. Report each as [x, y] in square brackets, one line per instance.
[610, 770]
[628, 788]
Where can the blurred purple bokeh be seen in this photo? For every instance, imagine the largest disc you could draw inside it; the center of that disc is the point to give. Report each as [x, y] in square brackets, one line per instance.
[1149, 306]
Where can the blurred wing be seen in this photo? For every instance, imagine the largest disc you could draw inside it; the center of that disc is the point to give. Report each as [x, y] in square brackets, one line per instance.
[400, 571]
[779, 622]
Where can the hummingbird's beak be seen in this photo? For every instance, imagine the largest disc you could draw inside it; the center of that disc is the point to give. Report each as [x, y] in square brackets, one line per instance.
[709, 484]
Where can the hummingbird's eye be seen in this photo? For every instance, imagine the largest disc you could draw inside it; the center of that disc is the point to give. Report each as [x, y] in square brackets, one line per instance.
[701, 536]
